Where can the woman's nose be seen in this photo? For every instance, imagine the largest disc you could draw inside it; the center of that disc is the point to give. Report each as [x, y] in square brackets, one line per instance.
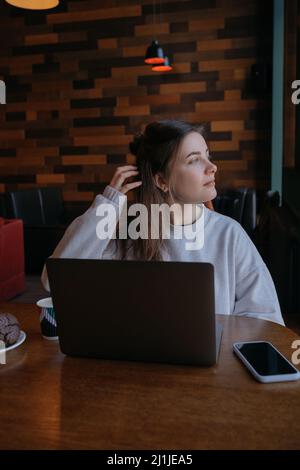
[211, 167]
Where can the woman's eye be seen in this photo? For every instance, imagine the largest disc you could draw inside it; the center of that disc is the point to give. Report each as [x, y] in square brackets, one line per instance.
[193, 159]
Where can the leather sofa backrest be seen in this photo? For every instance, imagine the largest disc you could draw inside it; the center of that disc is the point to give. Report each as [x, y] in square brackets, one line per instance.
[53, 205]
[26, 205]
[36, 206]
[240, 204]
[249, 218]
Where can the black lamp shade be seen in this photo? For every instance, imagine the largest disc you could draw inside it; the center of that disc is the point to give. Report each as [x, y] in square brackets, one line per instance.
[165, 67]
[154, 54]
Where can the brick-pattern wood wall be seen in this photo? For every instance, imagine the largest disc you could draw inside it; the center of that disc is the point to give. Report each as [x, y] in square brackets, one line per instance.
[78, 88]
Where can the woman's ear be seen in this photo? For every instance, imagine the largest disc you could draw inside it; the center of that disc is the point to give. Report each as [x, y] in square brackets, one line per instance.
[160, 182]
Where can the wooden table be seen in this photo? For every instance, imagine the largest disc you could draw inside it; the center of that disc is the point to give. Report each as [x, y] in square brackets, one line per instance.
[49, 401]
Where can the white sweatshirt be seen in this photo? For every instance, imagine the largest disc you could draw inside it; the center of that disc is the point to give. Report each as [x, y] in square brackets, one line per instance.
[243, 284]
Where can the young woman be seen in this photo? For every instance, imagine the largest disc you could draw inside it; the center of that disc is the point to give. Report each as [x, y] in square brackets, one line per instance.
[173, 166]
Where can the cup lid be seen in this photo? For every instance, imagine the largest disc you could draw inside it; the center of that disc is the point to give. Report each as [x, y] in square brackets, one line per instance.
[46, 302]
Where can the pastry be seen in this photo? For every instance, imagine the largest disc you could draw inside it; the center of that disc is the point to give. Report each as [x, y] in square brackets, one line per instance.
[9, 329]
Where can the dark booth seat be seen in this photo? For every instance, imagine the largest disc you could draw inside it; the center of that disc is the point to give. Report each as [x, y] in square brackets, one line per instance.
[45, 220]
[240, 204]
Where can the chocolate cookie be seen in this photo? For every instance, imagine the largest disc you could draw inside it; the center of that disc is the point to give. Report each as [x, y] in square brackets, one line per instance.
[9, 329]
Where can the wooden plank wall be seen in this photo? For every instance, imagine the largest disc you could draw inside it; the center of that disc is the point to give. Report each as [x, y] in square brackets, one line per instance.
[77, 88]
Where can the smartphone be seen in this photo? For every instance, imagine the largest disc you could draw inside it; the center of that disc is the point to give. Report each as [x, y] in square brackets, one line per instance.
[265, 362]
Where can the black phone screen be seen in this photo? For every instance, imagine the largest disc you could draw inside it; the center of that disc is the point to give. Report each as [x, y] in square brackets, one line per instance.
[265, 359]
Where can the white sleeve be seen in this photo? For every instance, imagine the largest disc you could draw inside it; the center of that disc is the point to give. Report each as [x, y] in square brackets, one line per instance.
[80, 240]
[255, 294]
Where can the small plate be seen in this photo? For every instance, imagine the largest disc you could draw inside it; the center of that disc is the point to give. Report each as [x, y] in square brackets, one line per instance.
[21, 340]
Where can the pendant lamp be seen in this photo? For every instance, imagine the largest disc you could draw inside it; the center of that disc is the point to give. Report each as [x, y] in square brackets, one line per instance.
[34, 4]
[154, 54]
[165, 67]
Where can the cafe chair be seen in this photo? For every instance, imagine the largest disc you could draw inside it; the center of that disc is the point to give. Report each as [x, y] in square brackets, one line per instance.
[278, 241]
[45, 220]
[240, 204]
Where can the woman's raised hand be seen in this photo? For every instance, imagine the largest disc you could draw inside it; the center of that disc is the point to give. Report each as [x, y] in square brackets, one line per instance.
[120, 176]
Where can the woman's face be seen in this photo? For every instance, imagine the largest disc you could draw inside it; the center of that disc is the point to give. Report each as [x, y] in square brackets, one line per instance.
[192, 171]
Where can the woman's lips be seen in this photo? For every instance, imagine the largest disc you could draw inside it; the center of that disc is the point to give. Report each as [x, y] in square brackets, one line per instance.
[211, 183]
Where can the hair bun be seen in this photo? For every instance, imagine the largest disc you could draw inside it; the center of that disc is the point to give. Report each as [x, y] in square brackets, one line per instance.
[135, 145]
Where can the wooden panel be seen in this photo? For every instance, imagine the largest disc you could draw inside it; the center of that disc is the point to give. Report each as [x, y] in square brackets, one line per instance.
[84, 160]
[233, 64]
[91, 15]
[224, 145]
[232, 95]
[148, 30]
[206, 24]
[50, 178]
[110, 43]
[188, 87]
[227, 125]
[50, 38]
[102, 140]
[74, 196]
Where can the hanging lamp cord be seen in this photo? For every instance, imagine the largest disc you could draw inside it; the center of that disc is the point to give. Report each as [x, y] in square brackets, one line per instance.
[153, 20]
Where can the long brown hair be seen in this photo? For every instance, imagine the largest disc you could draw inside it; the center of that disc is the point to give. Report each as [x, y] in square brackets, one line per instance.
[156, 152]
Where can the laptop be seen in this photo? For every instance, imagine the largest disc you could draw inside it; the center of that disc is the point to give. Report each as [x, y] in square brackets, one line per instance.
[149, 311]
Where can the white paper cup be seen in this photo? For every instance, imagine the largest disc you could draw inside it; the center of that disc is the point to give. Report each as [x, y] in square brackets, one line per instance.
[47, 318]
